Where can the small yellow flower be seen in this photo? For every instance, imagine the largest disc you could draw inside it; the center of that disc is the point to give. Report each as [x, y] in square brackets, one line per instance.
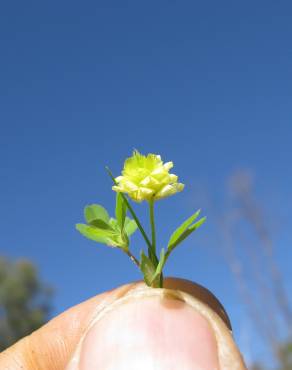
[147, 178]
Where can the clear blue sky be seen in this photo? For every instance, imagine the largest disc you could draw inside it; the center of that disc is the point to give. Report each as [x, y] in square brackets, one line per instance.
[205, 84]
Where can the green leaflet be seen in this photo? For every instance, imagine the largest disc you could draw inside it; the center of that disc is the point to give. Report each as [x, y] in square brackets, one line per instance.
[178, 232]
[187, 231]
[130, 226]
[151, 274]
[93, 233]
[147, 268]
[96, 215]
[100, 224]
[108, 237]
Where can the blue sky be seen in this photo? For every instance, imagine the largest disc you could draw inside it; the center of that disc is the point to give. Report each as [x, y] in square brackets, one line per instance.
[207, 85]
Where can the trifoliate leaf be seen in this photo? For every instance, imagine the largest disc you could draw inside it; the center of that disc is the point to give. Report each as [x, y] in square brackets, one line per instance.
[121, 210]
[178, 232]
[130, 226]
[119, 240]
[111, 238]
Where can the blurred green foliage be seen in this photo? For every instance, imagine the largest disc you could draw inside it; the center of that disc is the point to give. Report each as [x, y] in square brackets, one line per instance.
[284, 357]
[24, 300]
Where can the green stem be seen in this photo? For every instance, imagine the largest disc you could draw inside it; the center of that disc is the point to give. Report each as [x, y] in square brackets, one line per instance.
[132, 257]
[140, 227]
[152, 222]
[161, 281]
[152, 250]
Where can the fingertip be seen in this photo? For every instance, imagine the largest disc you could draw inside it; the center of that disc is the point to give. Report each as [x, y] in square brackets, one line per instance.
[201, 293]
[149, 333]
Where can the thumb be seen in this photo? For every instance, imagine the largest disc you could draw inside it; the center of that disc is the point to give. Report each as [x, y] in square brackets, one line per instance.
[134, 327]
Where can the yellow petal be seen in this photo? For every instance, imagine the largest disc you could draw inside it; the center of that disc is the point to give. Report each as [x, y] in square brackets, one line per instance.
[129, 186]
[168, 165]
[166, 191]
[119, 178]
[172, 178]
[150, 182]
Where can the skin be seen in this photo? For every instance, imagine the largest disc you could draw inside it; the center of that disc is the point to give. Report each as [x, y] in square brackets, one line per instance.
[53, 346]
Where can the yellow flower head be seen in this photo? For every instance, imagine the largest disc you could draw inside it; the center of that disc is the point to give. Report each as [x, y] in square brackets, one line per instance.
[147, 178]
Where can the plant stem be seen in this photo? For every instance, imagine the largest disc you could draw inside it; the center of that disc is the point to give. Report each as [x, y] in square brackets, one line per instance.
[137, 221]
[152, 222]
[133, 258]
[161, 281]
[152, 250]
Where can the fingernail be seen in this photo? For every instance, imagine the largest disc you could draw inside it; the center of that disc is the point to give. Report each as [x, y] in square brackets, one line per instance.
[150, 333]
